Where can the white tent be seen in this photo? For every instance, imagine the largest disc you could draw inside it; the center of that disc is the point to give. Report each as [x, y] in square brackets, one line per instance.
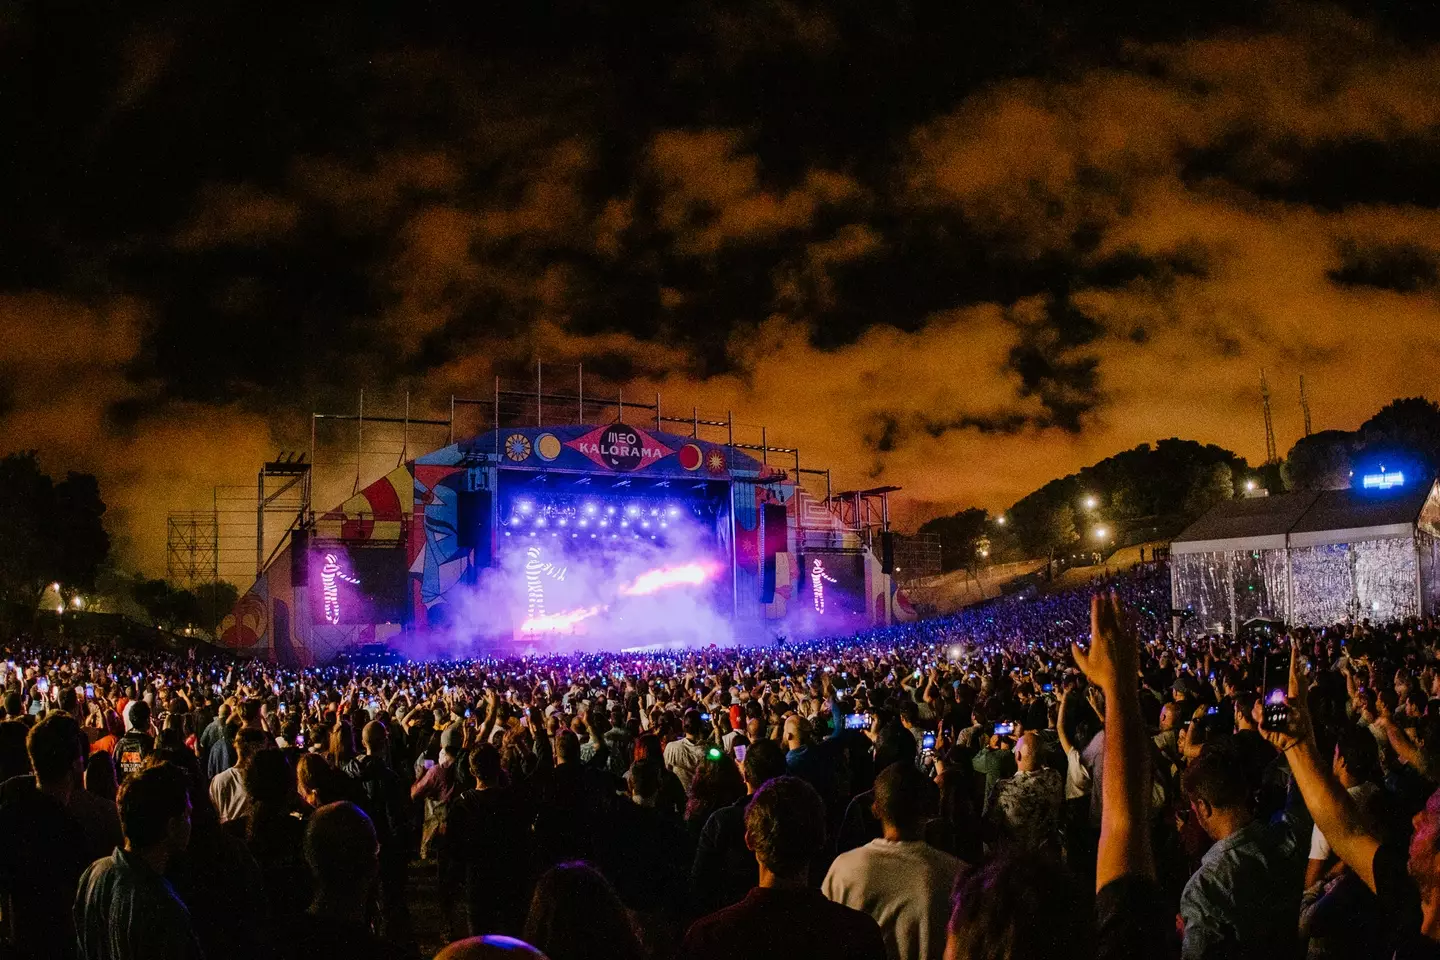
[1310, 558]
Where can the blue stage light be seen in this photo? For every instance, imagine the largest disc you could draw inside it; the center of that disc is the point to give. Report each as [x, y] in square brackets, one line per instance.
[539, 521]
[624, 523]
[590, 508]
[632, 510]
[610, 511]
[526, 506]
[604, 523]
[645, 524]
[674, 511]
[654, 511]
[584, 522]
[563, 521]
[517, 520]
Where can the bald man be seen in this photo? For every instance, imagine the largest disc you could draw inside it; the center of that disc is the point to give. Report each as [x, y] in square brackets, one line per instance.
[1025, 809]
[490, 948]
[817, 763]
[387, 803]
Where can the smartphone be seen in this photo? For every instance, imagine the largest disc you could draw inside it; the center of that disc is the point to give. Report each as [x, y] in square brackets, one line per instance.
[740, 749]
[300, 740]
[705, 717]
[1047, 688]
[927, 741]
[1212, 711]
[42, 685]
[857, 721]
[1277, 712]
[1004, 728]
[281, 708]
[90, 691]
[428, 763]
[467, 713]
[916, 674]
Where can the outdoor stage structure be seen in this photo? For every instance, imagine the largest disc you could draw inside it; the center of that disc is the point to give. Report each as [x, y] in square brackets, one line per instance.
[613, 530]
[1311, 558]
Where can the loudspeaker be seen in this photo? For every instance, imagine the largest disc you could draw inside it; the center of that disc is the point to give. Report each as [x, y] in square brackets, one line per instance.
[887, 552]
[774, 530]
[472, 525]
[300, 557]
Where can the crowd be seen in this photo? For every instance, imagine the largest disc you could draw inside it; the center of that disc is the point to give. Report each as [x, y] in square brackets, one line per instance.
[1059, 777]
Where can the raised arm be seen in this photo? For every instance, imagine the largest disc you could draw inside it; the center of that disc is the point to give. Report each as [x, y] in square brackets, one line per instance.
[1065, 743]
[1330, 805]
[1112, 664]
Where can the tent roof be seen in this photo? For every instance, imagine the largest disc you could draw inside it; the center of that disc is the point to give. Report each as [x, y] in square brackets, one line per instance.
[1304, 519]
[1252, 518]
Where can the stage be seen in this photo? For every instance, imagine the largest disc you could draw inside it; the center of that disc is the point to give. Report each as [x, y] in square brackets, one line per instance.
[567, 537]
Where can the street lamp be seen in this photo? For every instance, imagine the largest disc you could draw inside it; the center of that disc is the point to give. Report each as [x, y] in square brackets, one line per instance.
[1090, 503]
[1100, 533]
[1000, 519]
[1249, 485]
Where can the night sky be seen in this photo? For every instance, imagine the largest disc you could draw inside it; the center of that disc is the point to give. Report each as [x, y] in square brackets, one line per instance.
[961, 247]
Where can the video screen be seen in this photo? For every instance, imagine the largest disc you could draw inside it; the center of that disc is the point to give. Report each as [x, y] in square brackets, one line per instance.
[357, 585]
[835, 585]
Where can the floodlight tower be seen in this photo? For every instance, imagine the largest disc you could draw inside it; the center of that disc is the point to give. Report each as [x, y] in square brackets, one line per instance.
[1270, 455]
[1304, 405]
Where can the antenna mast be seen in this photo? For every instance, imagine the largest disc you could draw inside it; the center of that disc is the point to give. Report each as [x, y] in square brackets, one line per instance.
[1270, 455]
[1304, 405]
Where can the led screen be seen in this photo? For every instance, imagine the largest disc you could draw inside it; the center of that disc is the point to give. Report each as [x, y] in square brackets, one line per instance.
[356, 585]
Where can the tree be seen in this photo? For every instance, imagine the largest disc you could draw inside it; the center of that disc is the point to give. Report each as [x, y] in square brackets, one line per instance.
[1408, 429]
[1212, 486]
[83, 543]
[49, 532]
[1321, 461]
[960, 535]
[1060, 530]
[215, 601]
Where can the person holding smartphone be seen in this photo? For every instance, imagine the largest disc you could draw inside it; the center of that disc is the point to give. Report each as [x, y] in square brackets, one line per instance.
[997, 759]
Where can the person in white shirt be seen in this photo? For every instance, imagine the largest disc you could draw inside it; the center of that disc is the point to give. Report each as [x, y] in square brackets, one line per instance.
[901, 881]
[684, 756]
[1356, 764]
[227, 790]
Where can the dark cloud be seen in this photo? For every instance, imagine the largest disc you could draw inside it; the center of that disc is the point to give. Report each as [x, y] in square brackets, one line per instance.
[1403, 268]
[962, 247]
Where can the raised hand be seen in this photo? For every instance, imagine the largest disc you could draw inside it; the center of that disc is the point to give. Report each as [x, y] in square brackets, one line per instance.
[1114, 655]
[1298, 726]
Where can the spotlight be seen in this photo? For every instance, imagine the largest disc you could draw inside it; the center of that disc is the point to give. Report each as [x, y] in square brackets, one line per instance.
[663, 523]
[610, 511]
[563, 521]
[507, 533]
[654, 512]
[532, 533]
[592, 536]
[517, 520]
[632, 510]
[526, 506]
[539, 521]
[674, 511]
[584, 522]
[574, 535]
[590, 508]
[652, 536]
[645, 524]
[604, 523]
[624, 523]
